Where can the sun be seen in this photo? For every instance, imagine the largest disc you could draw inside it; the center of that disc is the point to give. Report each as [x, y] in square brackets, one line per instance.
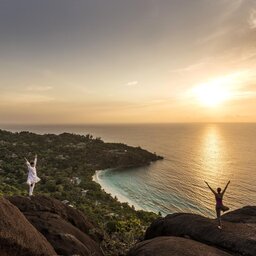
[211, 96]
[213, 93]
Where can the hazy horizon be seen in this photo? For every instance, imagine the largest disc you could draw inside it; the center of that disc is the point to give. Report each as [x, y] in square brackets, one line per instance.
[133, 61]
[109, 124]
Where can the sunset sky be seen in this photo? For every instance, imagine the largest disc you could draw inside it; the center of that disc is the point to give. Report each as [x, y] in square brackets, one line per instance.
[127, 61]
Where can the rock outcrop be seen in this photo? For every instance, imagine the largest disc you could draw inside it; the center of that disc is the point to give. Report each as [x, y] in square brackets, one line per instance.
[174, 246]
[17, 236]
[238, 235]
[43, 226]
[66, 229]
[246, 214]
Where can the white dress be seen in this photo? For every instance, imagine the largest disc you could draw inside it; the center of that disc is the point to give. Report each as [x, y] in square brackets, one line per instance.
[32, 175]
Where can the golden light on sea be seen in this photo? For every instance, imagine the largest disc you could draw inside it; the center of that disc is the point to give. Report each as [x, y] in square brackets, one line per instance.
[212, 152]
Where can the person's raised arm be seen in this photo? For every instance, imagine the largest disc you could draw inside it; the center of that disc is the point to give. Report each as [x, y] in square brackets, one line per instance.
[225, 188]
[35, 161]
[27, 162]
[210, 188]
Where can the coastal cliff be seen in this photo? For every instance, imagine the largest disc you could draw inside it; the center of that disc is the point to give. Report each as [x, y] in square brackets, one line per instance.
[66, 164]
[41, 225]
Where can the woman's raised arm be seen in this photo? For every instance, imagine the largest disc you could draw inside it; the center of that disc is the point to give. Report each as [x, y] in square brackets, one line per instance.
[35, 161]
[210, 188]
[226, 187]
[27, 162]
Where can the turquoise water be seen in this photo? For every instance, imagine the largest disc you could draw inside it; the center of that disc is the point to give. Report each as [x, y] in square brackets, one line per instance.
[193, 153]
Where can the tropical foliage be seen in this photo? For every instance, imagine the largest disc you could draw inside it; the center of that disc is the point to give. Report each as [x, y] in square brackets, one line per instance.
[65, 156]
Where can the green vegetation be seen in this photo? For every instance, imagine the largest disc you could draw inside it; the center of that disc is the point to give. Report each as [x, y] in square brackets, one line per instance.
[62, 157]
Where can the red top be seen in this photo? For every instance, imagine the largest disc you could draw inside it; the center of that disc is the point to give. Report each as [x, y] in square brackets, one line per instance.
[218, 198]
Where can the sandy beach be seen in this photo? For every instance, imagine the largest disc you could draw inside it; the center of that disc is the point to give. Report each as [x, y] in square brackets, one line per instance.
[98, 177]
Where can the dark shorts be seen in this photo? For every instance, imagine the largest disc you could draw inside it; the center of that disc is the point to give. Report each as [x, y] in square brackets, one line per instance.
[220, 208]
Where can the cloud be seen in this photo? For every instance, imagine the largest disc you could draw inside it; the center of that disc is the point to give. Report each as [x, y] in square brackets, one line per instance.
[21, 98]
[245, 94]
[132, 83]
[229, 7]
[39, 88]
[252, 19]
[189, 68]
[213, 36]
[224, 26]
[234, 5]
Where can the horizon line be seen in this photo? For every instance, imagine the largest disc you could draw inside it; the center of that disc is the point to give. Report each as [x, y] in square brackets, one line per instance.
[114, 123]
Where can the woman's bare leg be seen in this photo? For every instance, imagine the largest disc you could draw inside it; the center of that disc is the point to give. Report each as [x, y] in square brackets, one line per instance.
[225, 208]
[31, 189]
[218, 213]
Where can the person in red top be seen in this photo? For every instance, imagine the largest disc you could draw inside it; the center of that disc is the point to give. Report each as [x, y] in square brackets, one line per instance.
[219, 202]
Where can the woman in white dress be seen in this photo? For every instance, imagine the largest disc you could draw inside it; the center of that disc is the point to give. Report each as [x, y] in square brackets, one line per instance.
[32, 175]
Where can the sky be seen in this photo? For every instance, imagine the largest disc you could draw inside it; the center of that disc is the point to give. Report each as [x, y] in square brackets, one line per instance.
[127, 61]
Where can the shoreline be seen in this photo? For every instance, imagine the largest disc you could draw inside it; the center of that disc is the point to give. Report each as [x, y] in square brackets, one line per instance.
[113, 192]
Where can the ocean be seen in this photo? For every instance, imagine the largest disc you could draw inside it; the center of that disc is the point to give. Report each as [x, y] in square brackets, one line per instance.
[192, 153]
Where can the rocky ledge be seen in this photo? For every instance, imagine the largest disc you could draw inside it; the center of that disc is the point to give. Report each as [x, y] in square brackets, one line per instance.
[17, 236]
[194, 235]
[48, 228]
[43, 226]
